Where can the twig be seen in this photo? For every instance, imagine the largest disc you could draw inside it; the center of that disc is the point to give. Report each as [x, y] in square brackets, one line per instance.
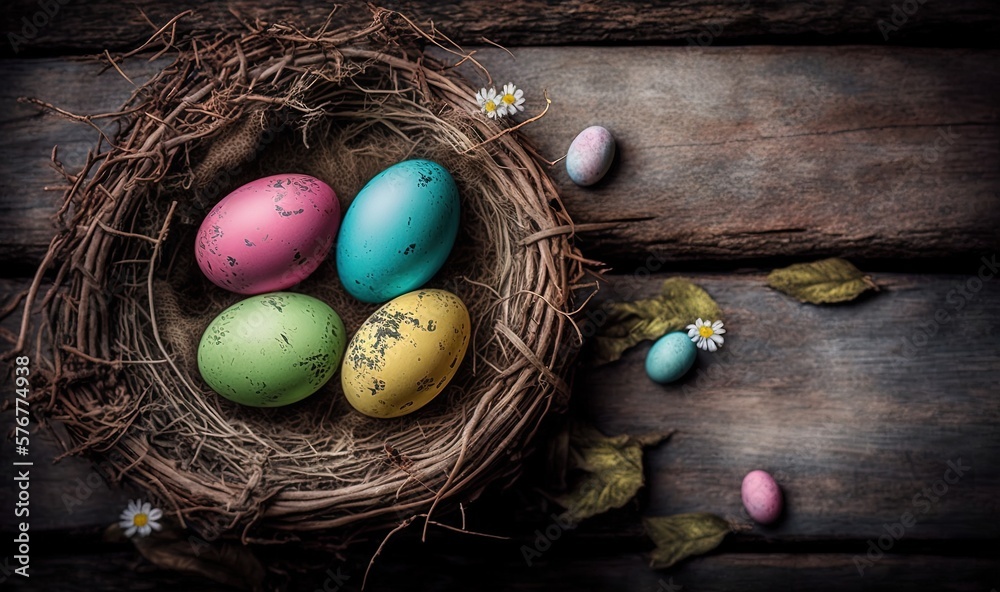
[170, 24]
[72, 350]
[371, 562]
[12, 306]
[498, 46]
[548, 102]
[405, 523]
[122, 233]
[111, 61]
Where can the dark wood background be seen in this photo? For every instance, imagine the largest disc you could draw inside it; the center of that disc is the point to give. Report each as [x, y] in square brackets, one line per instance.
[752, 135]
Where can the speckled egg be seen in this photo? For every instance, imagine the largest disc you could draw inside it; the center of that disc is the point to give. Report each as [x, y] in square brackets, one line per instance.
[670, 357]
[761, 497]
[272, 349]
[269, 234]
[398, 231]
[590, 155]
[405, 353]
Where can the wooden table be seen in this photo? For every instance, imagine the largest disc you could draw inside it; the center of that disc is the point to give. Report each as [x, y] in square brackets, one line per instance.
[752, 135]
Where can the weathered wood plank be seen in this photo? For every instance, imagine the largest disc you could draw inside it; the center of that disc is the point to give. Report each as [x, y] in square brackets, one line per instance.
[726, 154]
[113, 569]
[716, 573]
[9, 291]
[738, 154]
[848, 406]
[67, 494]
[26, 206]
[96, 25]
[857, 409]
[498, 566]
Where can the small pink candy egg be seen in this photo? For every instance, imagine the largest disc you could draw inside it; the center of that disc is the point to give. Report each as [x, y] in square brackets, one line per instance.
[761, 497]
[269, 234]
[590, 155]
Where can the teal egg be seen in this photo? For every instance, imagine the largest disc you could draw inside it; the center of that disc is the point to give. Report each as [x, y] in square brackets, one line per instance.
[398, 231]
[670, 357]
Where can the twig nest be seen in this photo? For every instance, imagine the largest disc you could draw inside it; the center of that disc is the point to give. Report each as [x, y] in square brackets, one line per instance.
[338, 105]
[590, 155]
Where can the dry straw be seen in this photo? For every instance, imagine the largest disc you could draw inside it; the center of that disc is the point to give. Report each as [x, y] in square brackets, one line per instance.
[128, 304]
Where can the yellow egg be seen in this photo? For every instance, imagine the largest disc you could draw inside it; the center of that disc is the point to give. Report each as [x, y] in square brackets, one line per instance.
[405, 353]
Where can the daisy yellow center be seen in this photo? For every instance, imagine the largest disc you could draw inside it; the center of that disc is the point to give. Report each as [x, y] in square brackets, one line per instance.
[706, 331]
[140, 520]
[508, 98]
[490, 106]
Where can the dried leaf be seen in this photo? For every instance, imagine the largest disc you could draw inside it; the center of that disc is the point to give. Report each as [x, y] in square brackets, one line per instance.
[683, 535]
[821, 282]
[680, 302]
[227, 563]
[612, 471]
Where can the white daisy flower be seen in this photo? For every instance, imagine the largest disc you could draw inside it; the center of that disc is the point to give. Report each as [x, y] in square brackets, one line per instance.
[706, 334]
[490, 103]
[140, 517]
[512, 98]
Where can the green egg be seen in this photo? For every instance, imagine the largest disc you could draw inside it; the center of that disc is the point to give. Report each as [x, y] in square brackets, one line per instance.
[272, 349]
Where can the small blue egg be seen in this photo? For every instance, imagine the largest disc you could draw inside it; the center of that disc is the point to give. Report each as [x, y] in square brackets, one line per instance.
[670, 357]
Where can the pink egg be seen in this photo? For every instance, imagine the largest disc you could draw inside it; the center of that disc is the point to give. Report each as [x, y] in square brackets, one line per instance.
[590, 155]
[761, 497]
[269, 234]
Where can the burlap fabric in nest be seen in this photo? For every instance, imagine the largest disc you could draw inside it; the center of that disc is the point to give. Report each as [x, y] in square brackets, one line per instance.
[130, 305]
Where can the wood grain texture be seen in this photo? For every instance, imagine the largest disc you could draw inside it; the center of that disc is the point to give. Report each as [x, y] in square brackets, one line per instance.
[10, 294]
[856, 409]
[725, 154]
[66, 494]
[769, 152]
[30, 190]
[732, 155]
[98, 24]
[854, 422]
[568, 568]
[430, 566]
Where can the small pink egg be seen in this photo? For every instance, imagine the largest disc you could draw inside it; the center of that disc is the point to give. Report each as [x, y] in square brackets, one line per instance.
[269, 234]
[761, 497]
[590, 155]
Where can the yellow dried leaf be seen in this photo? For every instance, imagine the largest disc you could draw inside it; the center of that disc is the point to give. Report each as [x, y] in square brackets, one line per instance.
[681, 536]
[611, 470]
[680, 302]
[821, 282]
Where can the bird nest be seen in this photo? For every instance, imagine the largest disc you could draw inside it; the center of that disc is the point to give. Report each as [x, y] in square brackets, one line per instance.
[129, 305]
